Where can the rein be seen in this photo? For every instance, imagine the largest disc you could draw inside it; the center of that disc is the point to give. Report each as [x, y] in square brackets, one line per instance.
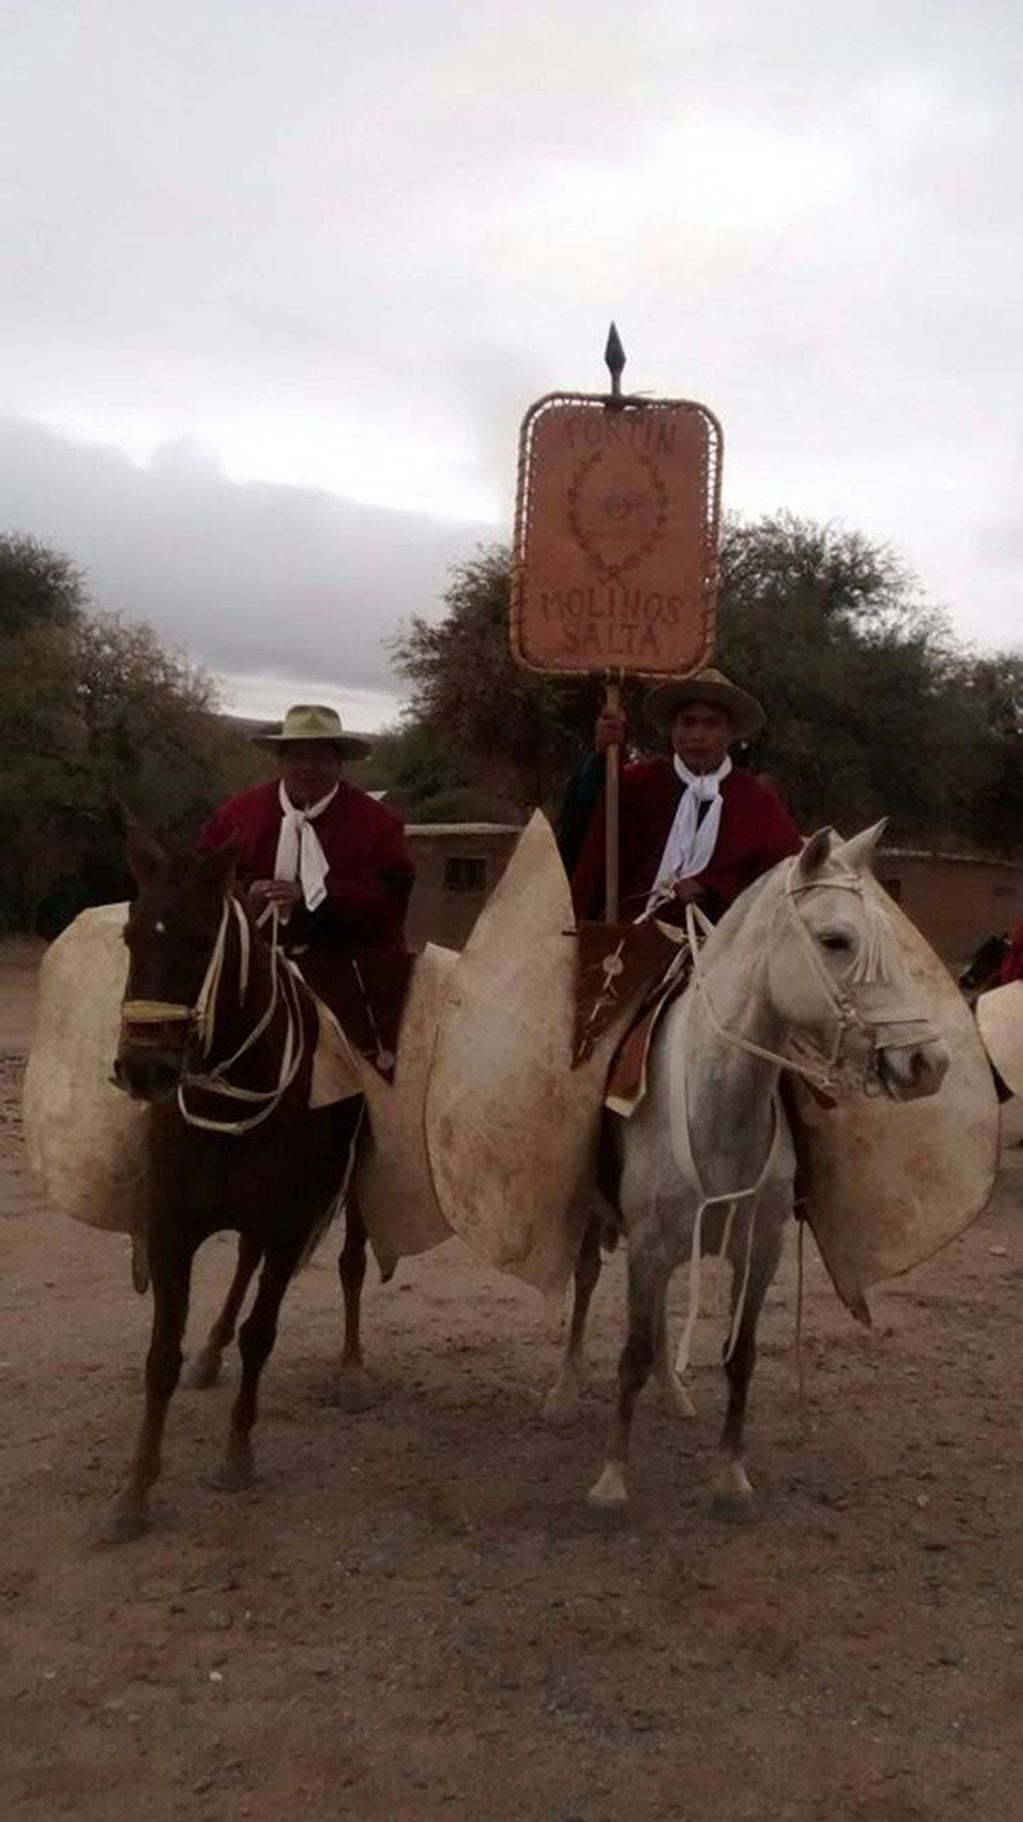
[869, 970]
[202, 1018]
[849, 1017]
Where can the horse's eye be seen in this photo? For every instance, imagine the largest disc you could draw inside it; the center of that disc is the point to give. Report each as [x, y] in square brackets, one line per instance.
[839, 945]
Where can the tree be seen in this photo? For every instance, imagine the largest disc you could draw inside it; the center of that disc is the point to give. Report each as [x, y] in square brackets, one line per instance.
[94, 715]
[44, 779]
[38, 586]
[997, 685]
[863, 683]
[519, 732]
[873, 709]
[155, 740]
[428, 780]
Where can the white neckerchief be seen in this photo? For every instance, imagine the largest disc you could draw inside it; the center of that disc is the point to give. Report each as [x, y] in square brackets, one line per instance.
[691, 843]
[299, 855]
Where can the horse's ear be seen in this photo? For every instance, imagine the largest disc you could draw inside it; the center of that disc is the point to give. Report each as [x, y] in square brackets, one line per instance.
[144, 853]
[858, 851]
[217, 869]
[815, 853]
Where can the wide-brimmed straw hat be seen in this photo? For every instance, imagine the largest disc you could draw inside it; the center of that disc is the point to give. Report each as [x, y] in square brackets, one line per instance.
[665, 699]
[312, 721]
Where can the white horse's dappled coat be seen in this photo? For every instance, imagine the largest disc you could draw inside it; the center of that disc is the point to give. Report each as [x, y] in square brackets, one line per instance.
[804, 954]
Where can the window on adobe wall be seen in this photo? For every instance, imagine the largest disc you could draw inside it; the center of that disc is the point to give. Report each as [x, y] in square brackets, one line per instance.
[465, 873]
[893, 887]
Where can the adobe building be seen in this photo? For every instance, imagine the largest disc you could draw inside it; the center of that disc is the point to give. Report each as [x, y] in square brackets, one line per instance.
[957, 900]
[458, 864]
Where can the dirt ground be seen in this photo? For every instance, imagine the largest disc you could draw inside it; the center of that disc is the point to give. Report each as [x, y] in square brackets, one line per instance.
[413, 1614]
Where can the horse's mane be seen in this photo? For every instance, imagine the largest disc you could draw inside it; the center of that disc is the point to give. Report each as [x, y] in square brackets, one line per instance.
[761, 900]
[745, 909]
[181, 862]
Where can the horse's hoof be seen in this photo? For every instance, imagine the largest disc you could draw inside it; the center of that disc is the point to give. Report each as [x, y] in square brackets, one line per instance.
[733, 1495]
[354, 1392]
[608, 1493]
[560, 1407]
[123, 1524]
[734, 1508]
[201, 1373]
[235, 1475]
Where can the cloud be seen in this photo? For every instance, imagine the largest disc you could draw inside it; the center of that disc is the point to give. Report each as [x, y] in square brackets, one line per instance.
[338, 250]
[251, 579]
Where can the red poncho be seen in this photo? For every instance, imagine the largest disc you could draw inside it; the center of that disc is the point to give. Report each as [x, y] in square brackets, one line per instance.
[756, 831]
[371, 871]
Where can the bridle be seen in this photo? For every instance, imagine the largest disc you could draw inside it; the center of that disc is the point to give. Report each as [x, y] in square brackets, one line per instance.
[141, 1016]
[847, 1020]
[847, 1002]
[850, 1019]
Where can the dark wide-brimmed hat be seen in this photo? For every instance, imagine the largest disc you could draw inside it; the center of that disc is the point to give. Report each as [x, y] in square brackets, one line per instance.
[665, 699]
[311, 721]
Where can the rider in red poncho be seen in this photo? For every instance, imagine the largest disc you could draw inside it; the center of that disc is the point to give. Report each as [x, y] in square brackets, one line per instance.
[689, 821]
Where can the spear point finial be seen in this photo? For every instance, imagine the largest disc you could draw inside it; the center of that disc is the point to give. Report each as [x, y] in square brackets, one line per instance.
[614, 356]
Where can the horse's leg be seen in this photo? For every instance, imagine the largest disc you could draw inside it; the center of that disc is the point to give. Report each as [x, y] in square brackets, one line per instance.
[562, 1401]
[140, 1260]
[256, 1338]
[648, 1289]
[733, 1494]
[673, 1391]
[353, 1391]
[128, 1516]
[204, 1370]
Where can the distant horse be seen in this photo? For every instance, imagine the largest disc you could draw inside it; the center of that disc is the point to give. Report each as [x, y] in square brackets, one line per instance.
[707, 1159]
[983, 968]
[218, 1032]
[982, 972]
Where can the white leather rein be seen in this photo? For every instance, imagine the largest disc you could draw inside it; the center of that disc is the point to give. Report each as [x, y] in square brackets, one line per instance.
[905, 1029]
[884, 1031]
[202, 1017]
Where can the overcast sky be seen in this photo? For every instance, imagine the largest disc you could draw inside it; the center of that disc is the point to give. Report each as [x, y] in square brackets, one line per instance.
[279, 278]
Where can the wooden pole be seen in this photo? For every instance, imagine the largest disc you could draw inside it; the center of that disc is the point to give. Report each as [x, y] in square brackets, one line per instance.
[612, 706]
[614, 356]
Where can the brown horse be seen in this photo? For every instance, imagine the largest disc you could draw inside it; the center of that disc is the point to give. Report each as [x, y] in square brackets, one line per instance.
[218, 1032]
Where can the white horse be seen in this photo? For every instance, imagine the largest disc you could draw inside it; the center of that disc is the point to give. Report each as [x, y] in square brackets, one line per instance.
[707, 1160]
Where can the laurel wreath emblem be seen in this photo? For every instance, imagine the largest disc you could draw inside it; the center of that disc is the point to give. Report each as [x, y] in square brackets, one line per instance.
[611, 571]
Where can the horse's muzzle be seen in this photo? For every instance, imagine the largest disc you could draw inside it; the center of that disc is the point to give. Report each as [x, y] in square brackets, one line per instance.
[916, 1070]
[148, 1074]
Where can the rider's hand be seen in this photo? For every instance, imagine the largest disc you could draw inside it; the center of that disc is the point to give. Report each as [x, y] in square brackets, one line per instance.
[284, 893]
[609, 730]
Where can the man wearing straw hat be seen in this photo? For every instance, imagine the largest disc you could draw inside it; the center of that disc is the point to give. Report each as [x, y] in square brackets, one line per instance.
[692, 825]
[329, 857]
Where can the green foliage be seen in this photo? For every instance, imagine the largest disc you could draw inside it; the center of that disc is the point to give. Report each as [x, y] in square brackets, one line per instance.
[428, 780]
[95, 719]
[996, 683]
[38, 587]
[867, 711]
[520, 733]
[155, 742]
